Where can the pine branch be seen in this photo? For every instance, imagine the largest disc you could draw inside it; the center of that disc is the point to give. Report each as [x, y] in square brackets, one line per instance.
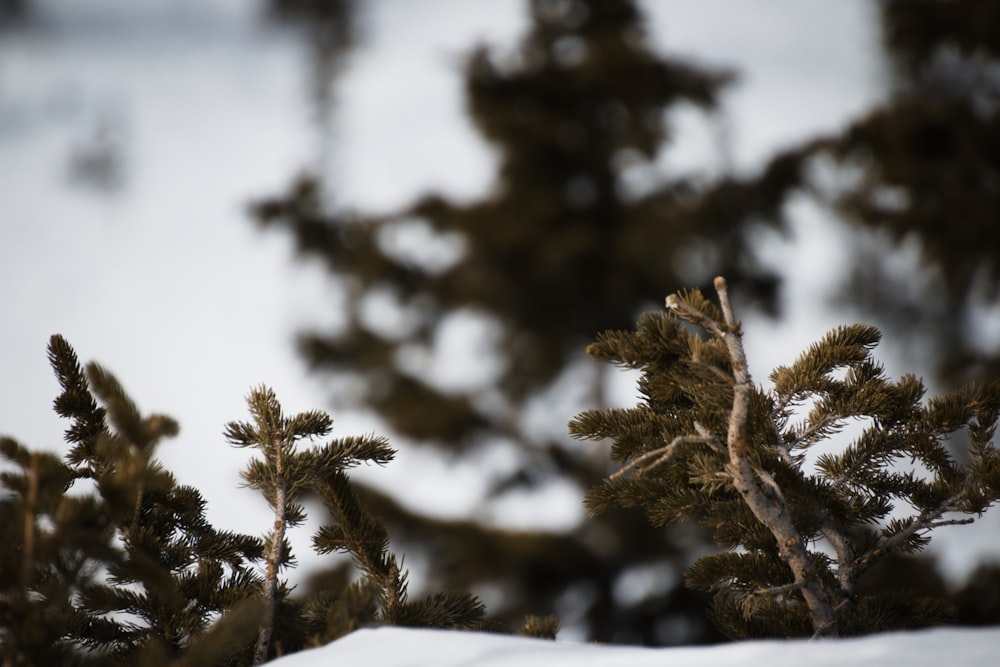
[756, 495]
[847, 571]
[361, 534]
[814, 430]
[777, 591]
[76, 403]
[663, 454]
[279, 478]
[926, 520]
[951, 522]
[756, 487]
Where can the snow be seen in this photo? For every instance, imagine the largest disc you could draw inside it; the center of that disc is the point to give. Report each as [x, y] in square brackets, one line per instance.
[405, 647]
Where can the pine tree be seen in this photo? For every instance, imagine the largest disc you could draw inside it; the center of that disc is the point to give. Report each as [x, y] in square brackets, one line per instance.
[132, 573]
[706, 444]
[565, 244]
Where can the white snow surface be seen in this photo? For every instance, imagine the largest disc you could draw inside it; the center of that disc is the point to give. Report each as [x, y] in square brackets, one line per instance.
[405, 647]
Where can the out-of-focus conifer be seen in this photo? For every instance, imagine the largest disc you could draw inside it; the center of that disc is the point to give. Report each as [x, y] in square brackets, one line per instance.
[802, 523]
[917, 179]
[578, 228]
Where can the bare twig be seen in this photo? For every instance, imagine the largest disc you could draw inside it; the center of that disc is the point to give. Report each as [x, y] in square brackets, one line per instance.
[925, 521]
[663, 454]
[951, 522]
[710, 439]
[775, 591]
[781, 447]
[703, 320]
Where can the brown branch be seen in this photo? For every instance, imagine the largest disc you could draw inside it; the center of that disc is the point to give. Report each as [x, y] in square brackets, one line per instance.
[137, 510]
[758, 490]
[925, 521]
[847, 571]
[274, 550]
[951, 522]
[779, 590]
[664, 453]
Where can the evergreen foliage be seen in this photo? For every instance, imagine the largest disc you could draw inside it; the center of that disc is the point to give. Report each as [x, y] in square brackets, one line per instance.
[41, 570]
[175, 572]
[106, 560]
[801, 522]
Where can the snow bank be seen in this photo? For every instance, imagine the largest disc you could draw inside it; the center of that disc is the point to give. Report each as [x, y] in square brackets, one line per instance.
[403, 647]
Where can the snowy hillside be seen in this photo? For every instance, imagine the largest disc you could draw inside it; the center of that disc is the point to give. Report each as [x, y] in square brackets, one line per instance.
[401, 647]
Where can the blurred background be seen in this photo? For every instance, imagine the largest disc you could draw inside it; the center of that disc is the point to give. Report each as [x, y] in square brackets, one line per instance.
[417, 213]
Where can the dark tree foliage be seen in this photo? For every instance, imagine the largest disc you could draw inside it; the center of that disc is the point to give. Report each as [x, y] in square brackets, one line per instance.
[801, 529]
[177, 572]
[125, 569]
[131, 572]
[568, 242]
[920, 171]
[40, 571]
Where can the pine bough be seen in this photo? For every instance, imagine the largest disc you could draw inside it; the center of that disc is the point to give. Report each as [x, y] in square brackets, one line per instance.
[706, 444]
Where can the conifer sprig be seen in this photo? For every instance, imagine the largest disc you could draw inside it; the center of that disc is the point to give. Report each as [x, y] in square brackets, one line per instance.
[282, 476]
[358, 532]
[707, 444]
[174, 574]
[76, 403]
